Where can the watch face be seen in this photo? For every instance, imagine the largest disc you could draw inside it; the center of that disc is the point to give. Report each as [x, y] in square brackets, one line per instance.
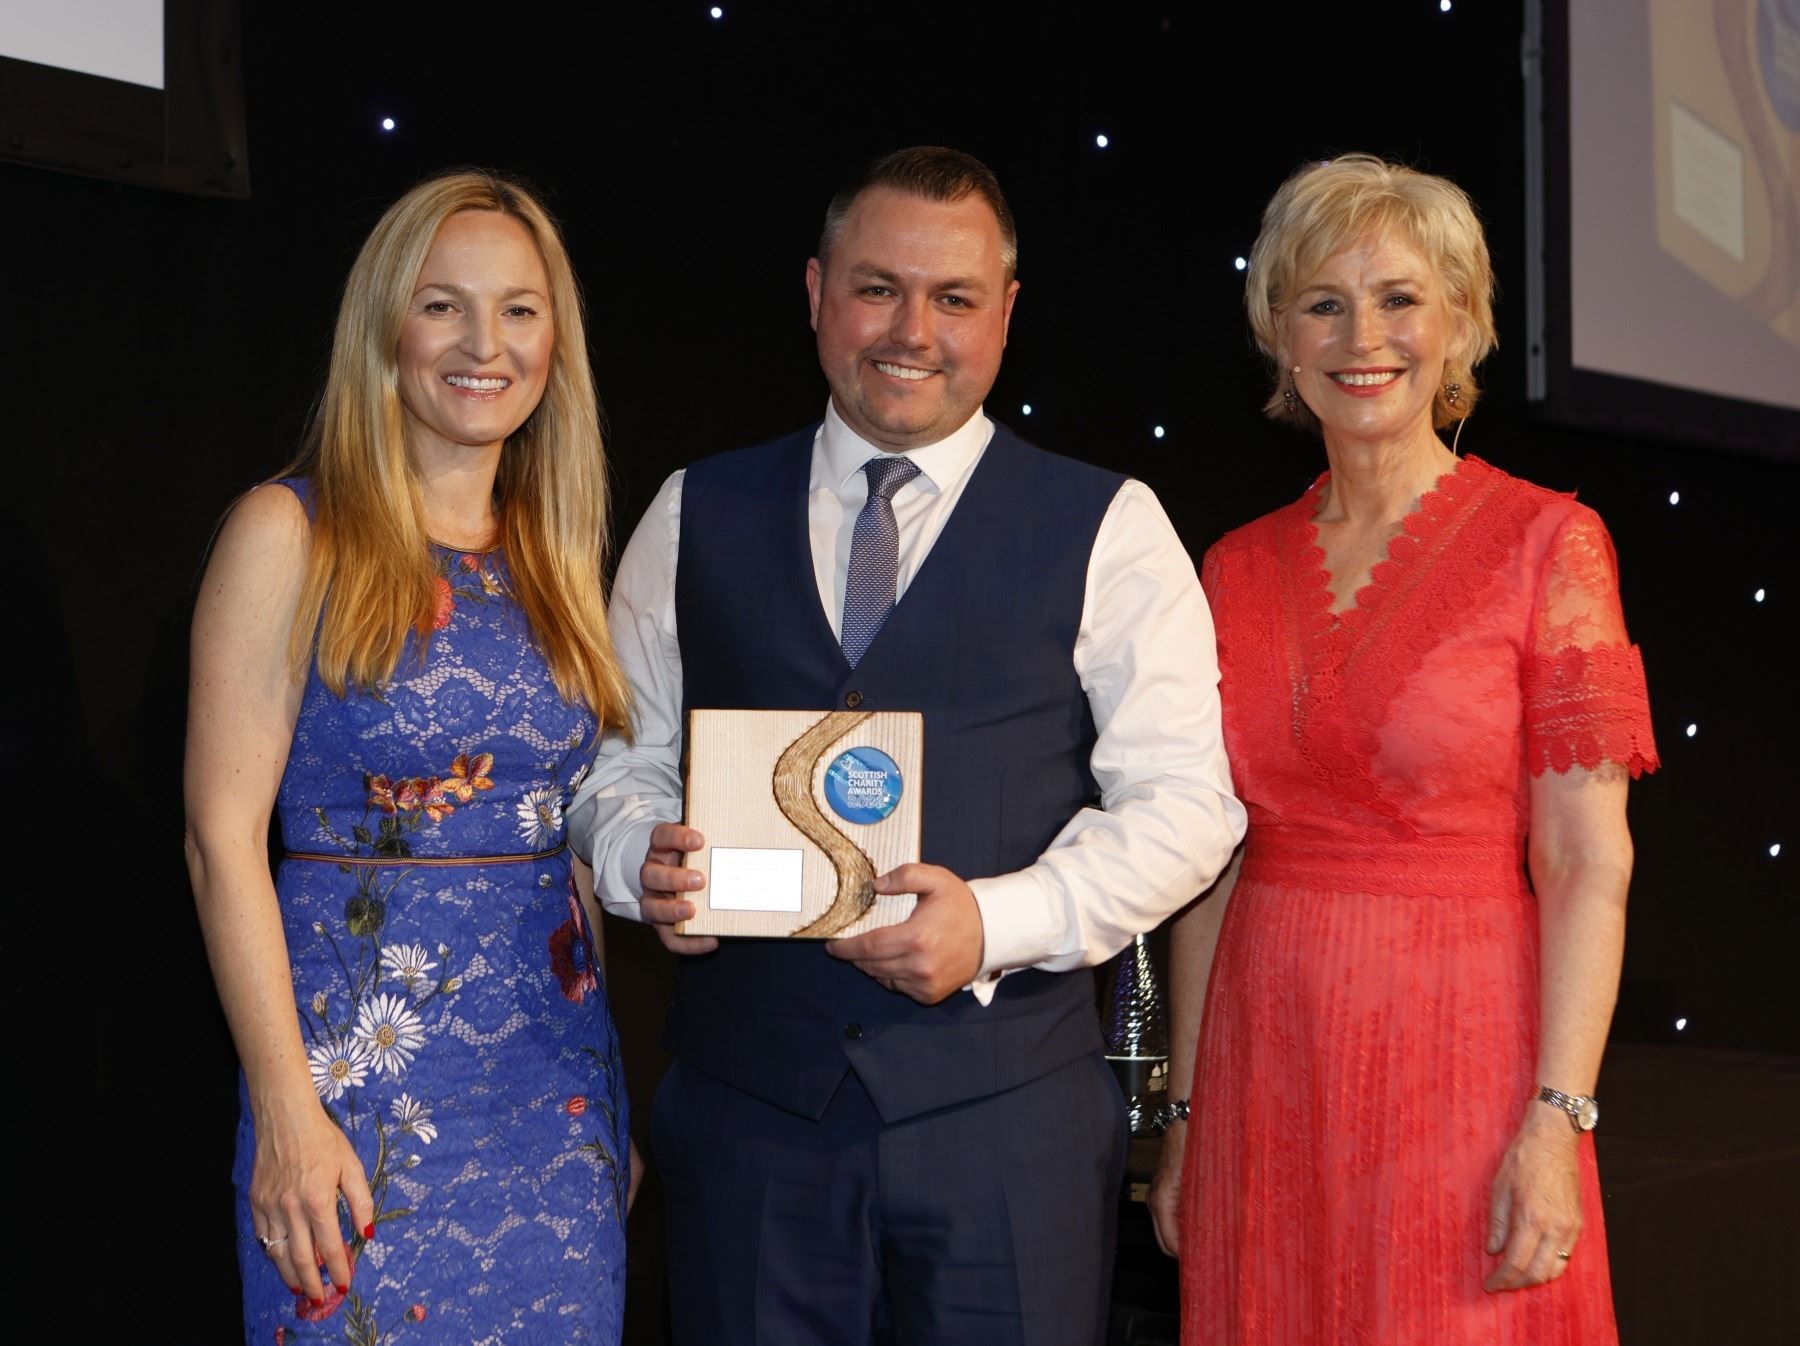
[1587, 1116]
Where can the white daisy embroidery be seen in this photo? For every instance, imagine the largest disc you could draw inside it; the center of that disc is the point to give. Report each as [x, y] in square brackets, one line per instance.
[540, 816]
[337, 1066]
[414, 1117]
[408, 962]
[390, 1031]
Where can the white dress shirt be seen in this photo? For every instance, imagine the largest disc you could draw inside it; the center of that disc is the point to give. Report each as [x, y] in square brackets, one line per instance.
[1168, 821]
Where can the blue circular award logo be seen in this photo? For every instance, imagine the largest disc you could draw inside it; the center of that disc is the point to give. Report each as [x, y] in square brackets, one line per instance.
[863, 785]
[1778, 49]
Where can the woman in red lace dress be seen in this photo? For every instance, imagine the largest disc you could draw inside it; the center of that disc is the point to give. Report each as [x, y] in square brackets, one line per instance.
[1432, 711]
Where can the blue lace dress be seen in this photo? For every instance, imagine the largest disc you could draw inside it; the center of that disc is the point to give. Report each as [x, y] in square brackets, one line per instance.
[447, 990]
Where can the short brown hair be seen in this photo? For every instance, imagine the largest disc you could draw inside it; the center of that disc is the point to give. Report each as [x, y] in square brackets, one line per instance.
[935, 173]
[1326, 206]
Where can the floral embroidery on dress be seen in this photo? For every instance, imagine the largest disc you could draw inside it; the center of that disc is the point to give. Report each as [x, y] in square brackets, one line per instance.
[446, 604]
[391, 1031]
[488, 584]
[414, 1118]
[572, 953]
[576, 964]
[450, 1005]
[407, 962]
[338, 1066]
[541, 817]
[408, 804]
[380, 1032]
[469, 774]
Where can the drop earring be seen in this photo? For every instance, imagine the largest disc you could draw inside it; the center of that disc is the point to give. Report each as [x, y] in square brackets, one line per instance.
[1289, 398]
[1453, 392]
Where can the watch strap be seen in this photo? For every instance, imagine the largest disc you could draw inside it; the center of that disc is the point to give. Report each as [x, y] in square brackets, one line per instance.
[1568, 1103]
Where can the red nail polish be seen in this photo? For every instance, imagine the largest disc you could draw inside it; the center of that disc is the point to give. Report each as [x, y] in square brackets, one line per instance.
[293, 1289]
[343, 1290]
[318, 1303]
[369, 1230]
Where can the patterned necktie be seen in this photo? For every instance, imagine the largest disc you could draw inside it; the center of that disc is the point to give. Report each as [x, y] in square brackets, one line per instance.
[874, 556]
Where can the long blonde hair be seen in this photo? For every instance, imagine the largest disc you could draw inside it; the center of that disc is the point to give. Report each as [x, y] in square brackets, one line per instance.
[370, 578]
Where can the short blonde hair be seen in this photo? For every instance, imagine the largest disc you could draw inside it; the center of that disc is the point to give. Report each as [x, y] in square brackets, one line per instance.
[371, 580]
[1324, 207]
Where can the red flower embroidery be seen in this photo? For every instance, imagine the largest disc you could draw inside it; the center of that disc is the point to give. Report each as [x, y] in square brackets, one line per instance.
[281, 1336]
[572, 953]
[468, 562]
[425, 793]
[575, 1106]
[381, 793]
[416, 1313]
[437, 808]
[469, 774]
[444, 604]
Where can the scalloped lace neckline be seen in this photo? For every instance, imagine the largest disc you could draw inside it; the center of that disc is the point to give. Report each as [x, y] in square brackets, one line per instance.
[1335, 633]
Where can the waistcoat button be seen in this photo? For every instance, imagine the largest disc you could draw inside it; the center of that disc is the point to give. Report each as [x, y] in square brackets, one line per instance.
[853, 699]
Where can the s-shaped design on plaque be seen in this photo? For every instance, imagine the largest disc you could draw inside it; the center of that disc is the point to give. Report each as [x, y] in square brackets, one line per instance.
[793, 780]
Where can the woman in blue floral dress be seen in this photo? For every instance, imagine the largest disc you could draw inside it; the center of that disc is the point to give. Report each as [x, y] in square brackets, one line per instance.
[401, 649]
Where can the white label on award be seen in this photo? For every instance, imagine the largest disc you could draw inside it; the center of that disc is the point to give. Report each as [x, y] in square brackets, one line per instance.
[1707, 172]
[743, 879]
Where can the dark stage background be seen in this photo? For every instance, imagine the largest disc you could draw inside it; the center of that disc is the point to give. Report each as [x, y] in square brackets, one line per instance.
[162, 352]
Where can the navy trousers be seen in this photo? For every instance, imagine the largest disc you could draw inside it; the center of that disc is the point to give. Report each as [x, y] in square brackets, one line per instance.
[991, 1222]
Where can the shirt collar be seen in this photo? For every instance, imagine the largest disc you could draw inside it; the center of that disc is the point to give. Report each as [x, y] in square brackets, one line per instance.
[842, 452]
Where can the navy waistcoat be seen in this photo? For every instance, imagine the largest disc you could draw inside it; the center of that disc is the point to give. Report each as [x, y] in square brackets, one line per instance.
[982, 643]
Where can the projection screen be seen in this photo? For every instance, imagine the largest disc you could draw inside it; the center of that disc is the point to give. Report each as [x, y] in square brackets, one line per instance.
[1663, 163]
[141, 91]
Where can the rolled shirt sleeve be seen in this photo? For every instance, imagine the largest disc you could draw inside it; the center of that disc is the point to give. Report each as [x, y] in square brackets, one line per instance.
[635, 782]
[1168, 822]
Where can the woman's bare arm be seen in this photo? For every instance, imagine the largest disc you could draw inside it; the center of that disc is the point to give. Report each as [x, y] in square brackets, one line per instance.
[242, 704]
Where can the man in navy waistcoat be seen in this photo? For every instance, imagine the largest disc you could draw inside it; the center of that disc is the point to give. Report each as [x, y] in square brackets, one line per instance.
[911, 1135]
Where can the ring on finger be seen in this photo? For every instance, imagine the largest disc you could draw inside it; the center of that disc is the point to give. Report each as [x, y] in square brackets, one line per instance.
[269, 1242]
[1563, 1255]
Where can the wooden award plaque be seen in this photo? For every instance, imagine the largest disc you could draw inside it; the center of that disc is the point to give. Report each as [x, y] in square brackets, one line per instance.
[800, 811]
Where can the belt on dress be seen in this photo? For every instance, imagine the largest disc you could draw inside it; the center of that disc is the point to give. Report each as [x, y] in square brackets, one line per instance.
[434, 861]
[1423, 866]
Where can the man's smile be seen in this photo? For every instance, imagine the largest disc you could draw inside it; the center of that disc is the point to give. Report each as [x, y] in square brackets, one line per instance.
[902, 371]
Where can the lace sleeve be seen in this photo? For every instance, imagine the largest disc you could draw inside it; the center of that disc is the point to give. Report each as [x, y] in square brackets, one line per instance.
[1585, 700]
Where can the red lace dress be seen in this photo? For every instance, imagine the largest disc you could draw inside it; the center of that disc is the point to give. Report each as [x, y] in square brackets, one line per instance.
[1370, 1031]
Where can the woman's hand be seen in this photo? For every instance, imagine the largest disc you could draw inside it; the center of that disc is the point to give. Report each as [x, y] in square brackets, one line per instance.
[302, 1162]
[1535, 1216]
[1165, 1191]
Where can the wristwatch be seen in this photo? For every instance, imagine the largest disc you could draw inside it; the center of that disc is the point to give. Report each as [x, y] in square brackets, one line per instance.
[1170, 1113]
[1584, 1113]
